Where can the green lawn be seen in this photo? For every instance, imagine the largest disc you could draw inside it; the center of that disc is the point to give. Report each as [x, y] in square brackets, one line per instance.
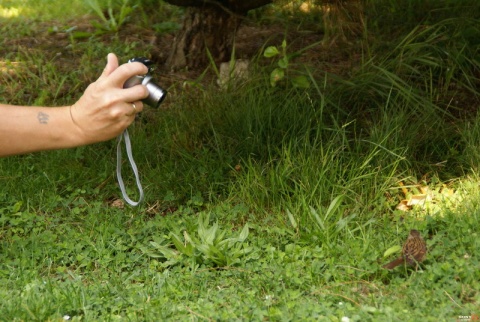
[262, 202]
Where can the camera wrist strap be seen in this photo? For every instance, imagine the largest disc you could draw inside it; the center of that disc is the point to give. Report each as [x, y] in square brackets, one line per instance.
[128, 147]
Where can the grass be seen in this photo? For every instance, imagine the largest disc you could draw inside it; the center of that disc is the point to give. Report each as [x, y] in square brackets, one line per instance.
[262, 203]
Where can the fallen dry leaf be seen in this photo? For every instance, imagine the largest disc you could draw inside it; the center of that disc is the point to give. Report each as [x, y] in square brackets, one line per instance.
[118, 203]
[403, 206]
[418, 200]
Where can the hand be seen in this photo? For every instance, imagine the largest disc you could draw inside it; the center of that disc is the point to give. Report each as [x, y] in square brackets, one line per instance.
[414, 251]
[106, 108]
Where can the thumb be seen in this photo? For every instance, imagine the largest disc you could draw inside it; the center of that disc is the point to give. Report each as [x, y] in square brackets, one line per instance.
[112, 64]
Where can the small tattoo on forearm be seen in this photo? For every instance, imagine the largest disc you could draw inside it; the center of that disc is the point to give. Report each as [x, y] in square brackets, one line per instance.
[43, 118]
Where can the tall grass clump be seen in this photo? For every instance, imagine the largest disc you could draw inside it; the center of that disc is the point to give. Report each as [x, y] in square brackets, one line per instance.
[342, 146]
[426, 68]
[284, 151]
[430, 75]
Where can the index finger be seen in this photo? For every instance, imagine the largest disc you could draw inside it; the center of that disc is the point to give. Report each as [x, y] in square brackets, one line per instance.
[112, 64]
[120, 75]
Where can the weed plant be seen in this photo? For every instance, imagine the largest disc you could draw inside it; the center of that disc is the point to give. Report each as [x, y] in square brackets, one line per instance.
[262, 203]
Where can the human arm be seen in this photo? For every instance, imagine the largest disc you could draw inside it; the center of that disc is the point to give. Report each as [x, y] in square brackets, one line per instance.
[102, 113]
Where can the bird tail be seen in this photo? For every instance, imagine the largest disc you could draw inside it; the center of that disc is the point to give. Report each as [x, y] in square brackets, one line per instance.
[395, 263]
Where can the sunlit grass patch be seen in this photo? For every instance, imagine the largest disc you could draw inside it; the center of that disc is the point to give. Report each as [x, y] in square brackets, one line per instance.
[43, 10]
[9, 12]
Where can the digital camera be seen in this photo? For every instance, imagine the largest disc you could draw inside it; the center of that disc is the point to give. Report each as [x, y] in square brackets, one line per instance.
[156, 94]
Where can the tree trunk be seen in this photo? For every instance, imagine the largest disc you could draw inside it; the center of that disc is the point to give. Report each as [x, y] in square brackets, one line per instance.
[207, 30]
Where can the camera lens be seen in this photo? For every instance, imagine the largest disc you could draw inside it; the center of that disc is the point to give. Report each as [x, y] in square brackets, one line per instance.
[156, 94]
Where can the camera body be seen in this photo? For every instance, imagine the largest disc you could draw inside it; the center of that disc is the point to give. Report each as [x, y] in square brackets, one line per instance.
[156, 94]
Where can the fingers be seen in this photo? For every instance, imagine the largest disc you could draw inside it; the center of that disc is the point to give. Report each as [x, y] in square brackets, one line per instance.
[120, 75]
[132, 94]
[109, 85]
[116, 76]
[112, 64]
[134, 108]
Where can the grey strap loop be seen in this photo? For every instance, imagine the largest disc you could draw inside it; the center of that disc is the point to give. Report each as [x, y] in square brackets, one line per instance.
[128, 147]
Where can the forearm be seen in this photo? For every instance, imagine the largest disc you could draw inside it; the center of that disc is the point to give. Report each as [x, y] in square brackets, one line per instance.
[25, 129]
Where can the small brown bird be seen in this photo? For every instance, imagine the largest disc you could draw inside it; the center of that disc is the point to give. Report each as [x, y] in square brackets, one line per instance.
[413, 251]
